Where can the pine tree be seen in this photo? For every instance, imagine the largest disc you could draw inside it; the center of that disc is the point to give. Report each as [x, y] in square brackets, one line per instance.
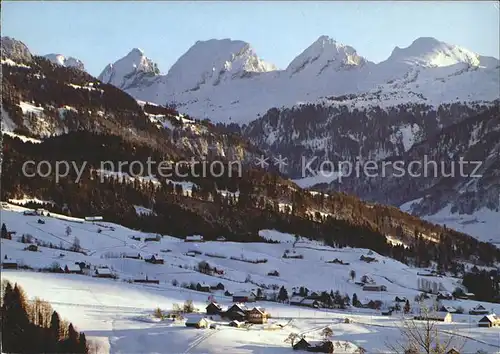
[82, 345]
[4, 233]
[355, 300]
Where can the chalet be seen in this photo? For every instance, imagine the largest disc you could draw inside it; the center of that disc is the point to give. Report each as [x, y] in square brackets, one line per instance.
[479, 310]
[221, 238]
[213, 308]
[219, 286]
[197, 322]
[132, 255]
[244, 297]
[236, 323]
[154, 259]
[367, 259]
[453, 351]
[435, 316]
[400, 299]
[302, 344]
[203, 287]
[194, 238]
[236, 312]
[191, 254]
[40, 221]
[257, 315]
[30, 213]
[72, 268]
[489, 321]
[373, 287]
[103, 273]
[9, 264]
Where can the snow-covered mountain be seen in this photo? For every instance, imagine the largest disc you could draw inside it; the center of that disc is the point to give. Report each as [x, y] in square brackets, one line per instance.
[226, 81]
[62, 60]
[130, 70]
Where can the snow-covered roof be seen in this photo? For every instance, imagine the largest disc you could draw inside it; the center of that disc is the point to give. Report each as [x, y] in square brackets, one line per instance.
[73, 267]
[195, 319]
[259, 309]
[204, 285]
[242, 307]
[309, 301]
[103, 270]
[296, 298]
[244, 293]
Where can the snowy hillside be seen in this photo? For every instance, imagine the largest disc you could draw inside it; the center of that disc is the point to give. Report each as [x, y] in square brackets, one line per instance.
[62, 60]
[118, 314]
[226, 81]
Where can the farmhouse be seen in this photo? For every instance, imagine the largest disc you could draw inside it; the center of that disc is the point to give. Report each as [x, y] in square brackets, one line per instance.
[479, 310]
[132, 255]
[435, 316]
[443, 295]
[295, 300]
[191, 254]
[449, 309]
[103, 273]
[373, 287]
[73, 269]
[236, 312]
[9, 264]
[194, 238]
[400, 299]
[197, 322]
[213, 308]
[489, 321]
[244, 297]
[311, 303]
[32, 248]
[219, 286]
[154, 259]
[257, 315]
[203, 287]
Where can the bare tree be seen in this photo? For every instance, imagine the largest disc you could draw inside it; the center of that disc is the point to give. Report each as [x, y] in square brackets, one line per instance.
[292, 337]
[352, 274]
[68, 231]
[327, 333]
[424, 337]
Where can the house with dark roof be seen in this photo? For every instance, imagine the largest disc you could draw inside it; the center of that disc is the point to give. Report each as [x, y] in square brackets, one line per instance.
[479, 310]
[236, 312]
[489, 321]
[103, 273]
[213, 308]
[302, 344]
[155, 259]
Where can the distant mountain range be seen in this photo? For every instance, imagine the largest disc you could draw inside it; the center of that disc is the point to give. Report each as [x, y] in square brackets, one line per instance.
[330, 103]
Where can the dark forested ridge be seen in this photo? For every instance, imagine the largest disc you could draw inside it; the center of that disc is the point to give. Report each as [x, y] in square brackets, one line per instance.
[264, 201]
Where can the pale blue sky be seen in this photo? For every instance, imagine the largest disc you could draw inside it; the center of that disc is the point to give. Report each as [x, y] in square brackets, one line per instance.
[101, 32]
